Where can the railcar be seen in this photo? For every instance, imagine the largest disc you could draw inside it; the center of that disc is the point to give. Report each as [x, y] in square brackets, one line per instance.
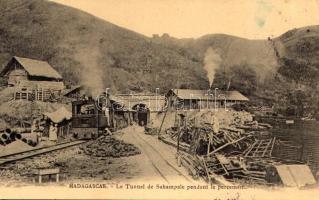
[88, 119]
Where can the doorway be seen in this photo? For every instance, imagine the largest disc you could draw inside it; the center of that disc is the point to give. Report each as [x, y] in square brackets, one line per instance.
[142, 114]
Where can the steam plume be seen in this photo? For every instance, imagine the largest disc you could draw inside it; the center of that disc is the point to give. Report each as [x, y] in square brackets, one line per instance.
[91, 73]
[212, 61]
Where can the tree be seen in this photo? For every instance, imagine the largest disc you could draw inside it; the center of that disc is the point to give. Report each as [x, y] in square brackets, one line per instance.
[300, 71]
[236, 77]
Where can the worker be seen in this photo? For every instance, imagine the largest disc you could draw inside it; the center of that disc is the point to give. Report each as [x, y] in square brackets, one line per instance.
[215, 123]
[33, 126]
[142, 123]
[35, 130]
[106, 112]
[53, 132]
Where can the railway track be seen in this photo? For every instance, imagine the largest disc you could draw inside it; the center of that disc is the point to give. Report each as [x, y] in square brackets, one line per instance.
[165, 169]
[35, 152]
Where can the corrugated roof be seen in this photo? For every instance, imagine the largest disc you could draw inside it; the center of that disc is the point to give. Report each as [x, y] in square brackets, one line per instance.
[36, 68]
[295, 175]
[235, 95]
[191, 94]
[203, 94]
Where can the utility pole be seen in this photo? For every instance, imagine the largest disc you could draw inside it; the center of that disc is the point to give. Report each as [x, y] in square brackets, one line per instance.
[215, 98]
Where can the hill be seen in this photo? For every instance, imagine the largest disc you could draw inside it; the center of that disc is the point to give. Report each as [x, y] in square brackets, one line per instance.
[89, 50]
[99, 54]
[282, 72]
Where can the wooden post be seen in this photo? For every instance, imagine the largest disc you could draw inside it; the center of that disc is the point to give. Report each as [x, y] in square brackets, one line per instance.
[68, 129]
[57, 179]
[209, 143]
[178, 138]
[160, 129]
[40, 178]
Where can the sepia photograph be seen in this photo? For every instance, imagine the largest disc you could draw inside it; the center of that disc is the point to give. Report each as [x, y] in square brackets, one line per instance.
[159, 99]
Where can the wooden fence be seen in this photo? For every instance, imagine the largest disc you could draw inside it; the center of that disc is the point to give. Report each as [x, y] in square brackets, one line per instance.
[39, 94]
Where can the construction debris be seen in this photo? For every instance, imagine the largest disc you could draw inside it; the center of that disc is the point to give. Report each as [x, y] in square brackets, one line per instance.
[225, 146]
[107, 146]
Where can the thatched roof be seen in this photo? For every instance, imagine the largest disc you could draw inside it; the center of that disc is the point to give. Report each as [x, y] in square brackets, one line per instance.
[205, 95]
[72, 90]
[59, 115]
[33, 68]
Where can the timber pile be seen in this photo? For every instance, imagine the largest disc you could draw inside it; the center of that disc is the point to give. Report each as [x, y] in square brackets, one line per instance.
[194, 166]
[107, 146]
[219, 167]
[254, 126]
[213, 155]
[224, 146]
[232, 139]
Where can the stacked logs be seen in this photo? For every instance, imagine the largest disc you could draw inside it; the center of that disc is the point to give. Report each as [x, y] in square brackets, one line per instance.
[10, 135]
[236, 138]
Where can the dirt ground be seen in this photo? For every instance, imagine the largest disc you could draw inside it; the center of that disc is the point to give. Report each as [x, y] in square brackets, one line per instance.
[155, 163]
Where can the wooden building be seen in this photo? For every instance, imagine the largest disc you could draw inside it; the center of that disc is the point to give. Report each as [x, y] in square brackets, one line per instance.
[32, 79]
[202, 99]
[26, 72]
[61, 120]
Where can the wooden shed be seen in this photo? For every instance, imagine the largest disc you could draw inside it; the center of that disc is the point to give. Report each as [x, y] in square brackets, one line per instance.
[202, 99]
[30, 73]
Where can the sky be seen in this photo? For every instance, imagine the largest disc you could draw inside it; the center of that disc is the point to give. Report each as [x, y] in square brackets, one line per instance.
[253, 19]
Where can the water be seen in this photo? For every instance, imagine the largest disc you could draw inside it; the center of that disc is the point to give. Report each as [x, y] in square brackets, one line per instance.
[303, 137]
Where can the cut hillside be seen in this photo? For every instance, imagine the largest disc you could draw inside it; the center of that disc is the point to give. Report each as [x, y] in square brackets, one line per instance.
[234, 51]
[258, 54]
[282, 72]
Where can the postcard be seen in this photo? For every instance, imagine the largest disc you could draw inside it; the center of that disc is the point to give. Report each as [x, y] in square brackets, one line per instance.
[161, 99]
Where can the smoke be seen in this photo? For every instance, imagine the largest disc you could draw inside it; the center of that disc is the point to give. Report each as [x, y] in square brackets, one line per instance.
[212, 61]
[91, 73]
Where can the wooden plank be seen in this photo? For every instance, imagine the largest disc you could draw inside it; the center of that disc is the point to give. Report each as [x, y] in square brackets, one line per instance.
[47, 171]
[272, 146]
[207, 172]
[254, 153]
[248, 150]
[227, 144]
[268, 145]
[224, 168]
